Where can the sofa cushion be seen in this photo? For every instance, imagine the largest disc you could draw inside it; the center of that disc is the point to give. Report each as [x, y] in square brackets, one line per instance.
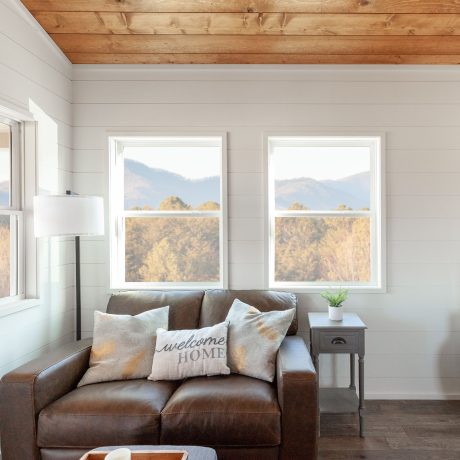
[217, 303]
[184, 306]
[110, 413]
[232, 410]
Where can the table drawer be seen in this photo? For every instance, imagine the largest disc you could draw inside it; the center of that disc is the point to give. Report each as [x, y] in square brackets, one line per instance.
[338, 342]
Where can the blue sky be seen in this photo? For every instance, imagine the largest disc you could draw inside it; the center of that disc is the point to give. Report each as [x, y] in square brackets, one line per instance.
[319, 163]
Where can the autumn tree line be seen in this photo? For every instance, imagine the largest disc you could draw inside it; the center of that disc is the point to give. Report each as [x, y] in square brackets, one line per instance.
[186, 249]
[172, 249]
[322, 248]
[4, 257]
[168, 249]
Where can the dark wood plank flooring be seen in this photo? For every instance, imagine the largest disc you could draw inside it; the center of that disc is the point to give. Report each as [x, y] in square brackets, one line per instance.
[395, 430]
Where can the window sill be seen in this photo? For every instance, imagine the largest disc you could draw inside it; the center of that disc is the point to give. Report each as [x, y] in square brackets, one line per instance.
[153, 287]
[318, 289]
[17, 306]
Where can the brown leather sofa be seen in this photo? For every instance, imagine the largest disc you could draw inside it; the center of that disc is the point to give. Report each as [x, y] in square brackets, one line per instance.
[43, 414]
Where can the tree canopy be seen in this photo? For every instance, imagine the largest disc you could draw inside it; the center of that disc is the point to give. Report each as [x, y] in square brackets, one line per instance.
[168, 249]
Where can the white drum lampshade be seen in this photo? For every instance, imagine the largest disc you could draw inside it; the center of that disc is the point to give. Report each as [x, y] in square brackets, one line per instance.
[68, 215]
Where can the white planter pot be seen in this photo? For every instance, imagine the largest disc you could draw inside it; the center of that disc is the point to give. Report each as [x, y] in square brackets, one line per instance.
[335, 313]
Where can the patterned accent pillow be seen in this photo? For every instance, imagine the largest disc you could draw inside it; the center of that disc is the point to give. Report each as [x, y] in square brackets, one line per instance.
[123, 345]
[254, 338]
[190, 353]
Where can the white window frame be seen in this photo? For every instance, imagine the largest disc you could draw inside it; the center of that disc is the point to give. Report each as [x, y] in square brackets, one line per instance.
[117, 213]
[16, 214]
[376, 144]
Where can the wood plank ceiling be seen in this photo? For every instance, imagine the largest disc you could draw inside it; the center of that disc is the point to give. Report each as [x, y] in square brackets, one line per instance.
[253, 31]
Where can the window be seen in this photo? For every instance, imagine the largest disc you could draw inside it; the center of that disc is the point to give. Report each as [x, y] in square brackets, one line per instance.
[11, 215]
[325, 212]
[168, 212]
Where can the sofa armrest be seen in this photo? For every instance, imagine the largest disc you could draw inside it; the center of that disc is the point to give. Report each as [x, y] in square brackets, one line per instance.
[298, 399]
[25, 391]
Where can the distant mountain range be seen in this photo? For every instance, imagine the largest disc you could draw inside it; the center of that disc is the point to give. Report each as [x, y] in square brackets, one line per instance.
[352, 191]
[4, 193]
[145, 186]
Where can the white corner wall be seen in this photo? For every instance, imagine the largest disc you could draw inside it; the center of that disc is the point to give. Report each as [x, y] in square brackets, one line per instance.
[35, 77]
[413, 341]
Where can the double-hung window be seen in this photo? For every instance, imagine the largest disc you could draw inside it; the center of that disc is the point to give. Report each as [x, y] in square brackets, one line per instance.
[325, 212]
[167, 211]
[11, 214]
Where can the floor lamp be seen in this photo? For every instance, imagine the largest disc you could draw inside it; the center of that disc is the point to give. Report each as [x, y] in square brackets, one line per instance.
[70, 215]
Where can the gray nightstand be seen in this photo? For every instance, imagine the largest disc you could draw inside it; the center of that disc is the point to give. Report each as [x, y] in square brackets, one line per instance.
[345, 336]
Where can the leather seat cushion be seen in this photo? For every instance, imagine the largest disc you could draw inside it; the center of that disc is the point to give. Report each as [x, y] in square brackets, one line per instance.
[232, 410]
[109, 413]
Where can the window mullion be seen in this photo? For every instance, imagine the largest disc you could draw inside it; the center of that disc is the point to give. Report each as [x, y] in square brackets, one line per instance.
[155, 213]
[350, 214]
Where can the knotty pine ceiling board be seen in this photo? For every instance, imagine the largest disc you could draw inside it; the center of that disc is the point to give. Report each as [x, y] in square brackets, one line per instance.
[253, 31]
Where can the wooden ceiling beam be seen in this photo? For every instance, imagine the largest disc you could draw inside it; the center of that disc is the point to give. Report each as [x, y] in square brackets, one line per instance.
[230, 44]
[249, 6]
[103, 58]
[249, 23]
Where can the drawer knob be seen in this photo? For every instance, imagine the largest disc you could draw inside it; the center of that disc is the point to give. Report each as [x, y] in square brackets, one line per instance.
[338, 341]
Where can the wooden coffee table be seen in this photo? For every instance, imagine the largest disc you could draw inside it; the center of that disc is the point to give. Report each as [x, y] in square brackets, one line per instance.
[194, 452]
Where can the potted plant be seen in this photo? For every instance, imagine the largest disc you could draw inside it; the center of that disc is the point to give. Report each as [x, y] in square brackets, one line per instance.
[335, 300]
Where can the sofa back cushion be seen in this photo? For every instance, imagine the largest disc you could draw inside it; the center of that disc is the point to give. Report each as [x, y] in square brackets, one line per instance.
[217, 303]
[184, 306]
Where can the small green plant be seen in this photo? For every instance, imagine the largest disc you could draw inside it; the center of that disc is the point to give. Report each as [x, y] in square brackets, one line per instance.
[336, 298]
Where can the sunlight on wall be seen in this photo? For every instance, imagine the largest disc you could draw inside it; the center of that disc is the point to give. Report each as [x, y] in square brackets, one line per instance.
[47, 151]
[54, 253]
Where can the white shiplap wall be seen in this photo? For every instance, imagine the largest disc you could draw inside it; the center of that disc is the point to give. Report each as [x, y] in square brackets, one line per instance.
[413, 341]
[35, 77]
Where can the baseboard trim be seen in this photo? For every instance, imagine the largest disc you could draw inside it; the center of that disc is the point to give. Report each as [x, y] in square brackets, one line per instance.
[414, 396]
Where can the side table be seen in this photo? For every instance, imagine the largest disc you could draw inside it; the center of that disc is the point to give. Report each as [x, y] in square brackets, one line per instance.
[345, 336]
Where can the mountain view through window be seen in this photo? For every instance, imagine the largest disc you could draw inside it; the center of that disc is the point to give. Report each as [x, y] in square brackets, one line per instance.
[321, 224]
[5, 182]
[172, 207]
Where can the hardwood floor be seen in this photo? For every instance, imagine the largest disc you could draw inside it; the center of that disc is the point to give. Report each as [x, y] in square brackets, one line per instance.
[395, 430]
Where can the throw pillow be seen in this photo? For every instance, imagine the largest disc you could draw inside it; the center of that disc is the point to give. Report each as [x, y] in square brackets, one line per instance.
[254, 338]
[190, 353]
[123, 345]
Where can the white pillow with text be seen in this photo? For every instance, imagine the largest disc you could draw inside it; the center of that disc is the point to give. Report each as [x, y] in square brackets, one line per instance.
[190, 353]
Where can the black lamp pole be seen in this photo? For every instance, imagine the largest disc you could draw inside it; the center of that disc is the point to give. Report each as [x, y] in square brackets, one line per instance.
[77, 281]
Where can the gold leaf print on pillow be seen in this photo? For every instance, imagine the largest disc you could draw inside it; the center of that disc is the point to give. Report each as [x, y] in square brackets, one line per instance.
[266, 331]
[102, 350]
[239, 357]
[131, 366]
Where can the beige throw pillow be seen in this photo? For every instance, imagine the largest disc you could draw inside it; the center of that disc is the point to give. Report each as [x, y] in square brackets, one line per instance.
[123, 345]
[190, 353]
[254, 339]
